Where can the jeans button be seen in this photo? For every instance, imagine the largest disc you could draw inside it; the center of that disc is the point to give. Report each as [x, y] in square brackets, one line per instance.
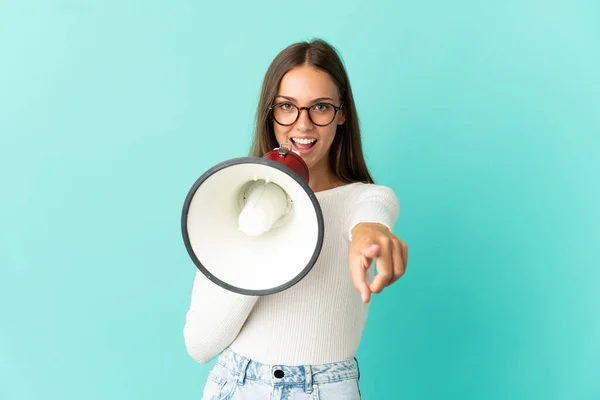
[278, 373]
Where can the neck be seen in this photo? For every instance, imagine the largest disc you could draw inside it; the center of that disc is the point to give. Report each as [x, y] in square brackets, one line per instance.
[322, 178]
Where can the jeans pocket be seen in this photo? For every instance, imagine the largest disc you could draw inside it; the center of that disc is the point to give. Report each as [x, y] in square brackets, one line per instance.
[346, 389]
[315, 393]
[220, 384]
[212, 389]
[358, 388]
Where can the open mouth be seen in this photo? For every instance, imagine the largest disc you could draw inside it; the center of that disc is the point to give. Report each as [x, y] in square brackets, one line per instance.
[303, 144]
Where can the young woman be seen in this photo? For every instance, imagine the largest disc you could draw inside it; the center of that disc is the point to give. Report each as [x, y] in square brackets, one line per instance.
[301, 343]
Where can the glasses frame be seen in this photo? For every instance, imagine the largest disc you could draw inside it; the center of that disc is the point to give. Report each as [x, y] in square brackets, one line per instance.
[335, 108]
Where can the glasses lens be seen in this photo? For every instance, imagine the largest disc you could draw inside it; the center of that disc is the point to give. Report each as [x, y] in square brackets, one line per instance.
[285, 113]
[322, 114]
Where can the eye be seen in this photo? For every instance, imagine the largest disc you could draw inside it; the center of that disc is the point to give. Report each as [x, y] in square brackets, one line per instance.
[321, 107]
[285, 106]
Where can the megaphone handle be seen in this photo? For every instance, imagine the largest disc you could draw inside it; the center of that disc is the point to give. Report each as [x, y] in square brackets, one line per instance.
[283, 150]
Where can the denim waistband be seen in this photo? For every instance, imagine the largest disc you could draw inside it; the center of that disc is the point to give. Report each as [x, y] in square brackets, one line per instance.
[244, 368]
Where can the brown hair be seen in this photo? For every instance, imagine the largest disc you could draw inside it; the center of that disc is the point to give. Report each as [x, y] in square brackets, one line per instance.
[346, 158]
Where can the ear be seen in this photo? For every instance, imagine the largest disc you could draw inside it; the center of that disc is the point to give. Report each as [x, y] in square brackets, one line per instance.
[342, 117]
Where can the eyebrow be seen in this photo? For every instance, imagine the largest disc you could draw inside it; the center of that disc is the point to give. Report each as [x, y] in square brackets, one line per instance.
[313, 101]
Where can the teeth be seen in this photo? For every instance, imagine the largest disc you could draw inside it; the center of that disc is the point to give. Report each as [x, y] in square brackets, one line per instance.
[304, 141]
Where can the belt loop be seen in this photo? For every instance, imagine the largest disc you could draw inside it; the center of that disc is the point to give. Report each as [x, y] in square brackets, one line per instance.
[357, 367]
[242, 371]
[308, 379]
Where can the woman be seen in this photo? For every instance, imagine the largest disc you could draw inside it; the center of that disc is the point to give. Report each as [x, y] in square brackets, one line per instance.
[301, 343]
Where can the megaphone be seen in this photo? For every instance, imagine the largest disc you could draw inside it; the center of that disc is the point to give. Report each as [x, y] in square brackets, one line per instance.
[252, 225]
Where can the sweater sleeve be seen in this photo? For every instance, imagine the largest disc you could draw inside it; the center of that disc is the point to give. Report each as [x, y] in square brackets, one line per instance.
[214, 318]
[377, 204]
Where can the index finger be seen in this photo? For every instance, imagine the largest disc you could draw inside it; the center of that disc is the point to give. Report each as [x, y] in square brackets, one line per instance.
[358, 271]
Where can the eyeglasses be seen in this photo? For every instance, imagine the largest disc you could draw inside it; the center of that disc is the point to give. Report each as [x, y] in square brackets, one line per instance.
[320, 114]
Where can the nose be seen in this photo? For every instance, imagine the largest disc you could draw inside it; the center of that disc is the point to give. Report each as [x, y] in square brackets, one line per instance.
[304, 123]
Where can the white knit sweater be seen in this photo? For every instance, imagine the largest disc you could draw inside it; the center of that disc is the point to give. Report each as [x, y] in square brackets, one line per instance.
[318, 320]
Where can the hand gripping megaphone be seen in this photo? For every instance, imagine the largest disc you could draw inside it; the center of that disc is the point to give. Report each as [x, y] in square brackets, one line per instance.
[252, 225]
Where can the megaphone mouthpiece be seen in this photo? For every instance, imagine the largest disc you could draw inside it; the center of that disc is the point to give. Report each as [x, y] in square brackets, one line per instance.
[265, 204]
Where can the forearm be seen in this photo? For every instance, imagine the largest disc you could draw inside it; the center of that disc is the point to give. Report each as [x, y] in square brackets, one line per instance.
[378, 205]
[214, 318]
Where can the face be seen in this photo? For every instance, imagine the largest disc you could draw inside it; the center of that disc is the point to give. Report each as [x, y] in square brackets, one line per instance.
[305, 87]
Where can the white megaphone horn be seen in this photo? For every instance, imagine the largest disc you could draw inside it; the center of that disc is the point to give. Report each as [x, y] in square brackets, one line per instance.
[252, 225]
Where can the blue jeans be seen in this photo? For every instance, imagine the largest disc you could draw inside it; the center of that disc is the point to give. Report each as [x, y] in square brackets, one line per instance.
[238, 378]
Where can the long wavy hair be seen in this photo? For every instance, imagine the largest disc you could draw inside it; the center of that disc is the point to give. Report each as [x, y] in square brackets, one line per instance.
[346, 157]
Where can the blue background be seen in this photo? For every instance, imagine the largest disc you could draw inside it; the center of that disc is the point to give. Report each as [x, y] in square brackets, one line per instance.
[482, 116]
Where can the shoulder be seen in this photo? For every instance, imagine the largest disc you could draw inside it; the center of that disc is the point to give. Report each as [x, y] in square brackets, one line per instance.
[366, 196]
[366, 192]
[360, 195]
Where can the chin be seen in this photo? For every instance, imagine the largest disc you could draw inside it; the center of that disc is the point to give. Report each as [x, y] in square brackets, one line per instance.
[312, 160]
